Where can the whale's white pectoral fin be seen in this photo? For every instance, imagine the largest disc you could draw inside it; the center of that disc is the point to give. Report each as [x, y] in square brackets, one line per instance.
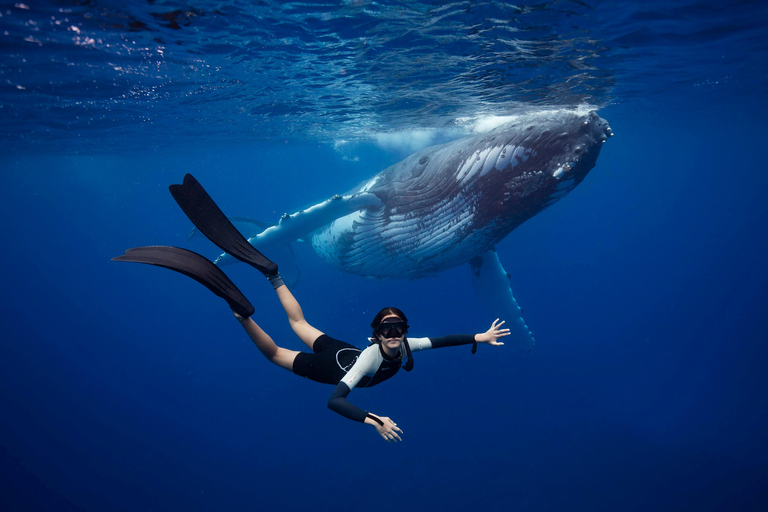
[296, 225]
[492, 285]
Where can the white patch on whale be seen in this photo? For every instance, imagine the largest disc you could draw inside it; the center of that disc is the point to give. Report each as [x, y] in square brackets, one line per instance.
[504, 157]
[370, 184]
[473, 165]
[490, 161]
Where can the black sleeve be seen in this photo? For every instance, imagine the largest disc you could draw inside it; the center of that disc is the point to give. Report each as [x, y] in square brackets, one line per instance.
[339, 403]
[452, 340]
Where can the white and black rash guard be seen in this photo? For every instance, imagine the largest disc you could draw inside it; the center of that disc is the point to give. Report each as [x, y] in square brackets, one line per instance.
[373, 366]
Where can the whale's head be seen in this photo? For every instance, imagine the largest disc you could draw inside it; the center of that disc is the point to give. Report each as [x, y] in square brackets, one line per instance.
[526, 165]
[570, 146]
[562, 146]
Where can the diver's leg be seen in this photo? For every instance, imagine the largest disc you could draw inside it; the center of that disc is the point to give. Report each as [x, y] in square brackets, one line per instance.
[280, 356]
[300, 326]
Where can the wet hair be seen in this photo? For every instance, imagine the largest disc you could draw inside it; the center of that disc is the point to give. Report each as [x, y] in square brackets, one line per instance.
[408, 366]
[384, 313]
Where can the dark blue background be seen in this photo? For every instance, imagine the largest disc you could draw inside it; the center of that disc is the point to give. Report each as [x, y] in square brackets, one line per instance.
[131, 388]
[126, 388]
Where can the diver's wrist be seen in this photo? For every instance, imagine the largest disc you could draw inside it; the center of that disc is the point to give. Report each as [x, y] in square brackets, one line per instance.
[374, 419]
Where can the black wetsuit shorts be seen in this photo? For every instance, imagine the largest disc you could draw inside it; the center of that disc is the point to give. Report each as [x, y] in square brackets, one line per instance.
[329, 363]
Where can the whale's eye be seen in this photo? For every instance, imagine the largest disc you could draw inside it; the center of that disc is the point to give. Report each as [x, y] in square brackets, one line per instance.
[423, 160]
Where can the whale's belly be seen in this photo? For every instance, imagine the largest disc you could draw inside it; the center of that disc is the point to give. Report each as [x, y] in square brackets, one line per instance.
[419, 243]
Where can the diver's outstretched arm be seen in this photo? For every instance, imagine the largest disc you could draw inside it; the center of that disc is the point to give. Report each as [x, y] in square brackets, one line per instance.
[282, 357]
[367, 363]
[299, 324]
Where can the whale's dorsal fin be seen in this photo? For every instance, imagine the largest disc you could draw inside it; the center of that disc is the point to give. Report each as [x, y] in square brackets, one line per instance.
[293, 226]
[491, 282]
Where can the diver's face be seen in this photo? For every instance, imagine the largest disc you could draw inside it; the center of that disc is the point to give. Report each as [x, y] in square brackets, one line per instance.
[391, 338]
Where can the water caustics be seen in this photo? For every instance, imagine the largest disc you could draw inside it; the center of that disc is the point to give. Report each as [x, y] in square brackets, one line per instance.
[305, 70]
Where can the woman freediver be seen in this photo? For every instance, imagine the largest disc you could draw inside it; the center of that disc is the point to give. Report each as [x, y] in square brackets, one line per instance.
[331, 361]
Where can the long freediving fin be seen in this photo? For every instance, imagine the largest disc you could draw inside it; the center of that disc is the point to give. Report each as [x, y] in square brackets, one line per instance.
[211, 221]
[195, 266]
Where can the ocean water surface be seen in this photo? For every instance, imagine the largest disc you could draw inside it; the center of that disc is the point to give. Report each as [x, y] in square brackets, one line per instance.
[130, 388]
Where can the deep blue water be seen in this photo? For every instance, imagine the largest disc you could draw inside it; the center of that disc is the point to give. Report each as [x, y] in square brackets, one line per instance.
[127, 388]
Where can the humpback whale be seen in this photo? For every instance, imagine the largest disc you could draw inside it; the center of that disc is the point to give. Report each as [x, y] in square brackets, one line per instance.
[450, 204]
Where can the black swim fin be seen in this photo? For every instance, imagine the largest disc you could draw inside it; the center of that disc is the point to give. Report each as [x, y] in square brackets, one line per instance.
[195, 266]
[211, 221]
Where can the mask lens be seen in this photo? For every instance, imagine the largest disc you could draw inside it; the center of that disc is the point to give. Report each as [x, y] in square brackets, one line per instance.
[392, 330]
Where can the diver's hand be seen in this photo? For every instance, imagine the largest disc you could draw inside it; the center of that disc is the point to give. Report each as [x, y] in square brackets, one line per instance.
[494, 333]
[388, 429]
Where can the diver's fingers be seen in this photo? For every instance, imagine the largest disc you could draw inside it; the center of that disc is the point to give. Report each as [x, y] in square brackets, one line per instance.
[394, 428]
[391, 436]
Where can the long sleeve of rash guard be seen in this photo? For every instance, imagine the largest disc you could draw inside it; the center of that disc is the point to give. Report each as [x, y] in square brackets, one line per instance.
[366, 365]
[452, 340]
[339, 403]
